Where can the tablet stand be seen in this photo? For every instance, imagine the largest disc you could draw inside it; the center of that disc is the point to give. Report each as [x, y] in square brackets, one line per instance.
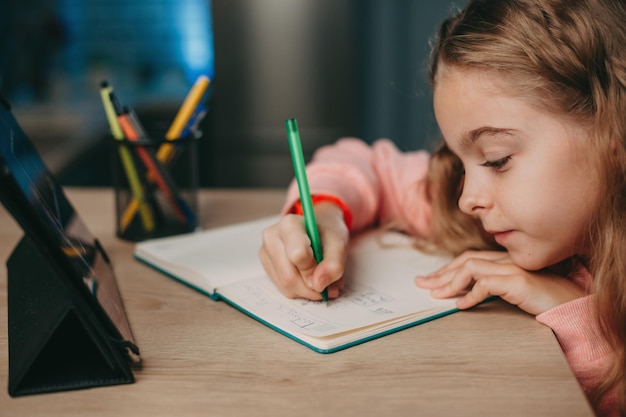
[56, 340]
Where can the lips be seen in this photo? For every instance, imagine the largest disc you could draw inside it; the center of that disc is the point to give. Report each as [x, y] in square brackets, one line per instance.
[499, 234]
[500, 237]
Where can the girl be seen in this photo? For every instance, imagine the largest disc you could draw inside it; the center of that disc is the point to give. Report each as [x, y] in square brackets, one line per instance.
[527, 189]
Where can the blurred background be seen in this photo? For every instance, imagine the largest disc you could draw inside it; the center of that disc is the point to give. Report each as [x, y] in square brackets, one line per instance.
[341, 67]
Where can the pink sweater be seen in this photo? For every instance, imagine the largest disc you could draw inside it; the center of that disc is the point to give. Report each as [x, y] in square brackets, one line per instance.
[379, 184]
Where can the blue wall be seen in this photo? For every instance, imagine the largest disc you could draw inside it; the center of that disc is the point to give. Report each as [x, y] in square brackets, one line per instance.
[341, 67]
[150, 46]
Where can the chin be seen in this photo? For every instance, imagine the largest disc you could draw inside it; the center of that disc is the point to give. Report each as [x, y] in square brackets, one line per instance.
[530, 262]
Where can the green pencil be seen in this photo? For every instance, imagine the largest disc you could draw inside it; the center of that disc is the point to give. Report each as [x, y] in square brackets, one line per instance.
[310, 224]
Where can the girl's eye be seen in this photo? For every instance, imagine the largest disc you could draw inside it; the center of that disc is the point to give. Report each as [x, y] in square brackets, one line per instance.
[498, 165]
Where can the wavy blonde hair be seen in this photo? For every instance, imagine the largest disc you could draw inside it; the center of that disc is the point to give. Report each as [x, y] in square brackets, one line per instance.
[569, 57]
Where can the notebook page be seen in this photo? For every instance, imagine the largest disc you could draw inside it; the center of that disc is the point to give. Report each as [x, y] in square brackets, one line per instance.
[378, 288]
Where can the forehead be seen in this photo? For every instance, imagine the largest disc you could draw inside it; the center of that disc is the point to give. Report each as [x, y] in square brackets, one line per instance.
[469, 86]
[472, 106]
[469, 104]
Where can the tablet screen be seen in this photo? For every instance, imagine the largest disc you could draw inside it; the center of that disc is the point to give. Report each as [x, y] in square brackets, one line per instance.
[37, 202]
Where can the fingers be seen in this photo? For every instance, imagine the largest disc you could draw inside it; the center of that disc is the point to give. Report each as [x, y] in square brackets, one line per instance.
[288, 259]
[499, 256]
[475, 278]
[286, 277]
[452, 271]
[484, 288]
[335, 239]
[533, 292]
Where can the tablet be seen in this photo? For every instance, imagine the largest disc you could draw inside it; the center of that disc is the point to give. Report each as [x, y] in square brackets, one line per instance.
[37, 202]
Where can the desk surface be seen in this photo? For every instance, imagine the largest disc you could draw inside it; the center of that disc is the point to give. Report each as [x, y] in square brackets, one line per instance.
[202, 357]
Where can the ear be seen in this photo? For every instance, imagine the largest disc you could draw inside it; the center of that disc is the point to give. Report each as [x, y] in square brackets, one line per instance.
[614, 145]
[616, 155]
[617, 150]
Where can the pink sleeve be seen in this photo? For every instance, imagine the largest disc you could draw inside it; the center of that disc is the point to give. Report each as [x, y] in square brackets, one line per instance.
[578, 333]
[378, 183]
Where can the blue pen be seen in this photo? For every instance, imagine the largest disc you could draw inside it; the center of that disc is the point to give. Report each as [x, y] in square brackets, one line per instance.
[310, 224]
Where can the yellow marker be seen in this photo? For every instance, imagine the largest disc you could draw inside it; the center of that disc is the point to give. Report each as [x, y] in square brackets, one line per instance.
[187, 108]
[166, 150]
[127, 161]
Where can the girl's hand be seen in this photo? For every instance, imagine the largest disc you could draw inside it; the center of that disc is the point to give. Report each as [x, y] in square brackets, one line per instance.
[287, 256]
[476, 275]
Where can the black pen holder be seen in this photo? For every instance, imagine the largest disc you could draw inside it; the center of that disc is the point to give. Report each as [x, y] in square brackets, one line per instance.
[156, 187]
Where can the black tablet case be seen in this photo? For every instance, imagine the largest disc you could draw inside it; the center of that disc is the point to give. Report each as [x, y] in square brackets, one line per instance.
[66, 324]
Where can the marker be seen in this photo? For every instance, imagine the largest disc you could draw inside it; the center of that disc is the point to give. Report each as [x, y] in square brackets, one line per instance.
[156, 171]
[166, 151]
[187, 211]
[181, 119]
[127, 159]
[295, 146]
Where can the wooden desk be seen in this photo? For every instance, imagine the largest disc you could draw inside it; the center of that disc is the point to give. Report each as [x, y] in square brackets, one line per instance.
[202, 357]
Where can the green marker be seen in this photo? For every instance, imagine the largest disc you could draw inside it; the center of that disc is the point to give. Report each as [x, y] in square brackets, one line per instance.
[310, 224]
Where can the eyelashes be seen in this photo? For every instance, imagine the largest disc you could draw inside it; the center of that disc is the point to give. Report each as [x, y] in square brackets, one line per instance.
[497, 165]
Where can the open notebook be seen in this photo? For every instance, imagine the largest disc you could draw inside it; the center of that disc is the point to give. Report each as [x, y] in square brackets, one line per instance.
[379, 296]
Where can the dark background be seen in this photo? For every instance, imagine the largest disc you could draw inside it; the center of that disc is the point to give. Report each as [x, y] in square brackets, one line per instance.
[341, 67]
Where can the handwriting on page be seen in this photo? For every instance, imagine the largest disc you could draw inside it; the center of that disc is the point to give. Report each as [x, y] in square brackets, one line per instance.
[356, 307]
[362, 296]
[365, 298]
[297, 319]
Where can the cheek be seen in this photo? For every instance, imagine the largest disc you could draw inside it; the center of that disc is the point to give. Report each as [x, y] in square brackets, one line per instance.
[561, 209]
[548, 198]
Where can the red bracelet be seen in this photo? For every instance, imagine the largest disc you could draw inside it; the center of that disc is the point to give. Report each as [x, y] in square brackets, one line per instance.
[318, 198]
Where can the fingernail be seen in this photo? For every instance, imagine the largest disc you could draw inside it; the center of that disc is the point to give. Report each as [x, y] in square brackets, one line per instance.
[310, 283]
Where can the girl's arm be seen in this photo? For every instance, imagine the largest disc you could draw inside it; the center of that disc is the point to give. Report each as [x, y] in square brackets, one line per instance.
[561, 303]
[579, 335]
[378, 183]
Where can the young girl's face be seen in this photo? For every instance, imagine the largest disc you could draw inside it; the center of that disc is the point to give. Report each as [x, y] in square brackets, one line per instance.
[527, 171]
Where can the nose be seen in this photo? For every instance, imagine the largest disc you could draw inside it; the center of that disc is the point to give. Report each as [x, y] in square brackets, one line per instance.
[475, 196]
